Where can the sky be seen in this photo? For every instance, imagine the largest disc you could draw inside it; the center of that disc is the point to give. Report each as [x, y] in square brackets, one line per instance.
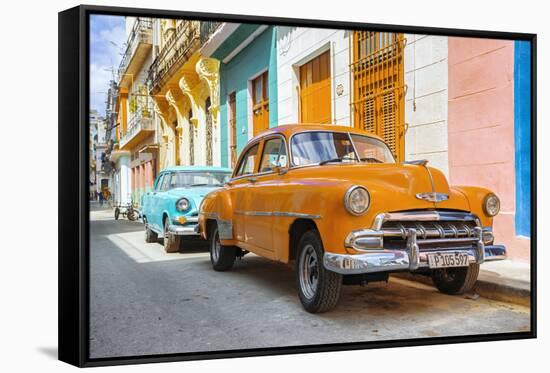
[107, 43]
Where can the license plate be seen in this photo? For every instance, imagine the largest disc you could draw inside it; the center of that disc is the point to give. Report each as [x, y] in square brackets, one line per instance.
[446, 260]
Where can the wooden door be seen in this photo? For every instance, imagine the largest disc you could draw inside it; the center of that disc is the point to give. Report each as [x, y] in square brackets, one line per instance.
[315, 97]
[260, 103]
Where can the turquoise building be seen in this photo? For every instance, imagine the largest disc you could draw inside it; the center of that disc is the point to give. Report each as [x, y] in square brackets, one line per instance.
[248, 75]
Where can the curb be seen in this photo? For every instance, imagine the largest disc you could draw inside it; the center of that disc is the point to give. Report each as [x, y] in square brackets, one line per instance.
[517, 292]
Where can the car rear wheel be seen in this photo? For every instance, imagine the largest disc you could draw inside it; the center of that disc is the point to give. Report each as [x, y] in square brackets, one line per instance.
[171, 241]
[457, 280]
[318, 288]
[221, 256]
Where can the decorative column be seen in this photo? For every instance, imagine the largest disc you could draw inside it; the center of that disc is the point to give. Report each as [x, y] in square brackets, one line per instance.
[209, 71]
[186, 89]
[171, 97]
[164, 135]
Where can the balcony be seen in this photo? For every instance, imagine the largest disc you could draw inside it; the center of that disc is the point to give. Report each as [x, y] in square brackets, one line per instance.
[207, 29]
[140, 42]
[140, 126]
[178, 49]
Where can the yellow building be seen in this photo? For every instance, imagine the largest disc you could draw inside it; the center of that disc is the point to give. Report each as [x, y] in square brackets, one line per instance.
[185, 90]
[136, 149]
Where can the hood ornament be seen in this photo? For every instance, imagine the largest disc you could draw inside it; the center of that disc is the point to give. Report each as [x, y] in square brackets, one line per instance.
[433, 196]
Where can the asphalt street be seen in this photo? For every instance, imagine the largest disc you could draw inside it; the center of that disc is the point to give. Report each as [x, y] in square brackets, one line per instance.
[143, 302]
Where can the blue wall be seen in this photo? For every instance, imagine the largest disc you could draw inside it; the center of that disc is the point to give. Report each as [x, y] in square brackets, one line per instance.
[522, 134]
[258, 56]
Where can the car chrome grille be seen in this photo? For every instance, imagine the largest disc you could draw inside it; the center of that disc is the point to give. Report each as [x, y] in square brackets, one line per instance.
[430, 234]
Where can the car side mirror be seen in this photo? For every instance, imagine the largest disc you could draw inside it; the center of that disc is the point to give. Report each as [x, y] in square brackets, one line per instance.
[280, 170]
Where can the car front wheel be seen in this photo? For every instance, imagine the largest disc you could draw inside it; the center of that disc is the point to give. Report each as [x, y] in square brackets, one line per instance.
[457, 280]
[150, 236]
[222, 257]
[171, 241]
[318, 288]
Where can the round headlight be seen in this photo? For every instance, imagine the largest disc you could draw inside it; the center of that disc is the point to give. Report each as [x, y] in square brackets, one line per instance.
[491, 205]
[182, 204]
[357, 200]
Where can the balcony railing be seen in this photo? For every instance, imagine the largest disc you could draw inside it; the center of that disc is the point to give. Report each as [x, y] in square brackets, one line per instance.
[207, 29]
[141, 121]
[178, 48]
[142, 32]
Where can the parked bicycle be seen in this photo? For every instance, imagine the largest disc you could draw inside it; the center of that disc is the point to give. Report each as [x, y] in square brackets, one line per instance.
[128, 211]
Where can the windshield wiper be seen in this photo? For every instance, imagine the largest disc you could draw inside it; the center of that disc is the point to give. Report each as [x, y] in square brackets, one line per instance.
[371, 159]
[194, 185]
[331, 160]
[341, 159]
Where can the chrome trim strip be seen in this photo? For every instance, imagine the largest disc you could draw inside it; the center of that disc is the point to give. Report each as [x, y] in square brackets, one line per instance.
[278, 213]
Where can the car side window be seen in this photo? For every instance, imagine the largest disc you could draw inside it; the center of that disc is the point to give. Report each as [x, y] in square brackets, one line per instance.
[274, 155]
[248, 162]
[165, 181]
[158, 185]
[172, 182]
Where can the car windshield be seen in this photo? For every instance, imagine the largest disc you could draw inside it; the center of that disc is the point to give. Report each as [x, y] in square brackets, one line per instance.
[372, 150]
[322, 147]
[186, 179]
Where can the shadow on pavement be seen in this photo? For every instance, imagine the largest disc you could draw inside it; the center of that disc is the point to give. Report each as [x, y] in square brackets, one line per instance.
[50, 352]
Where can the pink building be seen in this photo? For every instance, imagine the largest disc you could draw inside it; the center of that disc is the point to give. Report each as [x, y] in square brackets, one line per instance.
[489, 127]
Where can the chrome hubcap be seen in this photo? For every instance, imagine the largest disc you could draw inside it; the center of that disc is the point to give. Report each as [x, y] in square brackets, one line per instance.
[308, 271]
[216, 247]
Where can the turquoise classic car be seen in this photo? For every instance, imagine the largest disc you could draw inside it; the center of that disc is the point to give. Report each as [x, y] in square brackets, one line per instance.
[171, 209]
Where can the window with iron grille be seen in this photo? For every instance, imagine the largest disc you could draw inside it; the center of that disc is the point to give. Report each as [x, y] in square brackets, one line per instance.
[377, 70]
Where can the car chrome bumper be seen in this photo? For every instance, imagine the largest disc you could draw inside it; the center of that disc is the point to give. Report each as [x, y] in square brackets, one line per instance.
[190, 228]
[399, 260]
[409, 237]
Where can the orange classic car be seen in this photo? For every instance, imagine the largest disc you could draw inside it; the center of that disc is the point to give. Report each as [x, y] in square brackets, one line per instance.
[334, 200]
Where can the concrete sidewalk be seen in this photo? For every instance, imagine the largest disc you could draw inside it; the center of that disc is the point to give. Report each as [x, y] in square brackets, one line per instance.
[506, 280]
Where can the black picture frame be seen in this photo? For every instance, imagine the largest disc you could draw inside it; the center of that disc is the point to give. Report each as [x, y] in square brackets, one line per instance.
[74, 230]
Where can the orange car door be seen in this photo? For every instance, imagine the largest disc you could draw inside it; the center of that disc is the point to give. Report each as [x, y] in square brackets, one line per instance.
[240, 190]
[263, 203]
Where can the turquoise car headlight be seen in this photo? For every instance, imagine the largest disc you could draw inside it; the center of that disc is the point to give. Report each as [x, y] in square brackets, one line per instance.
[182, 204]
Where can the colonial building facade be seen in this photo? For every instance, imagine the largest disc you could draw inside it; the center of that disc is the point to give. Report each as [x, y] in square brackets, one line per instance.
[460, 103]
[185, 89]
[247, 59]
[429, 97]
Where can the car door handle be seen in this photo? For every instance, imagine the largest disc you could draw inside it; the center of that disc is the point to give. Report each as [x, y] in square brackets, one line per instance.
[252, 179]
